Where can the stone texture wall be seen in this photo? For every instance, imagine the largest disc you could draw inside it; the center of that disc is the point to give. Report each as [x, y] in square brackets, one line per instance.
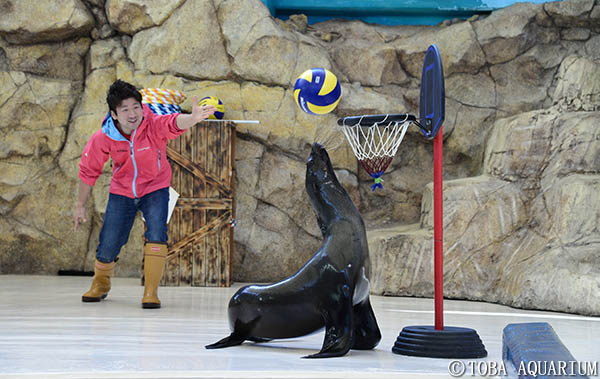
[521, 140]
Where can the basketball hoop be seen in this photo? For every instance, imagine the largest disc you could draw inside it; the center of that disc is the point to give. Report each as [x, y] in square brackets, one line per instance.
[375, 140]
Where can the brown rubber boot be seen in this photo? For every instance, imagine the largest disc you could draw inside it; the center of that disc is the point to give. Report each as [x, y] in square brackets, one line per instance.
[100, 283]
[154, 263]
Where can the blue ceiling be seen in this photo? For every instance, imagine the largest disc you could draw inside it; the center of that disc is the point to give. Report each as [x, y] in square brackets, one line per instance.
[386, 12]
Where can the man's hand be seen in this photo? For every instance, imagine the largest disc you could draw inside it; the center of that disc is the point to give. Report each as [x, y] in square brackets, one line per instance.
[201, 113]
[186, 121]
[79, 215]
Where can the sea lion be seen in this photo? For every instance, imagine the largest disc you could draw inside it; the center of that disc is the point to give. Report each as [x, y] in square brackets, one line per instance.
[331, 290]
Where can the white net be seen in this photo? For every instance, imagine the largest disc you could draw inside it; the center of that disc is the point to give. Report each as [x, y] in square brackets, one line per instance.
[379, 140]
[375, 143]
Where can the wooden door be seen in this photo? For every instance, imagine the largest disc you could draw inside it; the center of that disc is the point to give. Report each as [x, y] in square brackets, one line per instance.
[200, 232]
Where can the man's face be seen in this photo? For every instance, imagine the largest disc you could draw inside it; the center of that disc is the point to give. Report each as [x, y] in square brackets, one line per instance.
[129, 114]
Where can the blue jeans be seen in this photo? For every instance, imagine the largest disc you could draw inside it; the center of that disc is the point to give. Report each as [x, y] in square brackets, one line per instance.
[119, 217]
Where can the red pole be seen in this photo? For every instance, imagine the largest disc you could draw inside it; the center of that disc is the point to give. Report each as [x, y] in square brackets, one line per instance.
[438, 230]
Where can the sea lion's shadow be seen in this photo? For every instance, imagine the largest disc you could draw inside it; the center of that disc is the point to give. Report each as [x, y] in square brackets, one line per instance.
[277, 343]
[283, 346]
[280, 345]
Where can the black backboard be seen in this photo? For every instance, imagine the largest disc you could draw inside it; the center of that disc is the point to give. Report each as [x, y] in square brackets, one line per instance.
[432, 103]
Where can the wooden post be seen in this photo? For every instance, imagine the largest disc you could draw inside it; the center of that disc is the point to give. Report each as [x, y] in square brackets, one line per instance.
[200, 236]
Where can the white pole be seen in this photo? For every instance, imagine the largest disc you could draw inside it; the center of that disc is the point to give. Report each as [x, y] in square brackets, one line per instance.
[236, 121]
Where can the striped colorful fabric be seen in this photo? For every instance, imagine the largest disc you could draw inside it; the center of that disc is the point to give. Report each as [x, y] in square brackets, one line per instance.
[162, 101]
[162, 96]
[163, 109]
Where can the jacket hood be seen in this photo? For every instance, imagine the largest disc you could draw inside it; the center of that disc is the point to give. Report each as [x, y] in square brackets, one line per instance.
[110, 129]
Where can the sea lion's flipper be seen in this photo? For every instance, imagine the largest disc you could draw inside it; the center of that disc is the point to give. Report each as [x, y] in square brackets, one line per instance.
[338, 324]
[366, 331]
[241, 331]
[259, 339]
[233, 339]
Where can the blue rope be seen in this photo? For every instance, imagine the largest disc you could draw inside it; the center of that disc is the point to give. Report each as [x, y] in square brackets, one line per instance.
[378, 180]
[164, 109]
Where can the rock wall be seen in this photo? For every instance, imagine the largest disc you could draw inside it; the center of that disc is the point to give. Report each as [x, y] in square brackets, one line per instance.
[521, 139]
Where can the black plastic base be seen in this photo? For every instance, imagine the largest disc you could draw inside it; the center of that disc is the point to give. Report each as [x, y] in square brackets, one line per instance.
[451, 342]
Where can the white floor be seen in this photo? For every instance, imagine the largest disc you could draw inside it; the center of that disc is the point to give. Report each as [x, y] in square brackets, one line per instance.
[47, 332]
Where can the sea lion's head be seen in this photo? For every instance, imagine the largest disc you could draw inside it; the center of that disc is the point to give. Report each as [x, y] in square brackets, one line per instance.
[327, 195]
[319, 170]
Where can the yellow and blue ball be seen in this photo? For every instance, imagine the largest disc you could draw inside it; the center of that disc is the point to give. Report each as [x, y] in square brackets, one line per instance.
[215, 102]
[317, 91]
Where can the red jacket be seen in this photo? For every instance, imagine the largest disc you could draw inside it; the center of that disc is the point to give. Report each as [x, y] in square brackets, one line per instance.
[140, 166]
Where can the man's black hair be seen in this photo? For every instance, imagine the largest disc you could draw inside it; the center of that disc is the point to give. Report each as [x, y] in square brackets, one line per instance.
[120, 91]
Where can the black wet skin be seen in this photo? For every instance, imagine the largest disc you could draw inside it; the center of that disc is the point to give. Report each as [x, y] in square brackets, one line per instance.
[329, 291]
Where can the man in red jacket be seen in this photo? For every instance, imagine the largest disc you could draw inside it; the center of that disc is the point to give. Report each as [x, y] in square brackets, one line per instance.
[136, 140]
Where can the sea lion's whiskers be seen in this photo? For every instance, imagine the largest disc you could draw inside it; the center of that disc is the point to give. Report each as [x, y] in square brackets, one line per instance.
[328, 137]
[335, 147]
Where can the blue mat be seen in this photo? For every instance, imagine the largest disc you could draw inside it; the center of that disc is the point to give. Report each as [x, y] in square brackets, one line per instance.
[535, 351]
